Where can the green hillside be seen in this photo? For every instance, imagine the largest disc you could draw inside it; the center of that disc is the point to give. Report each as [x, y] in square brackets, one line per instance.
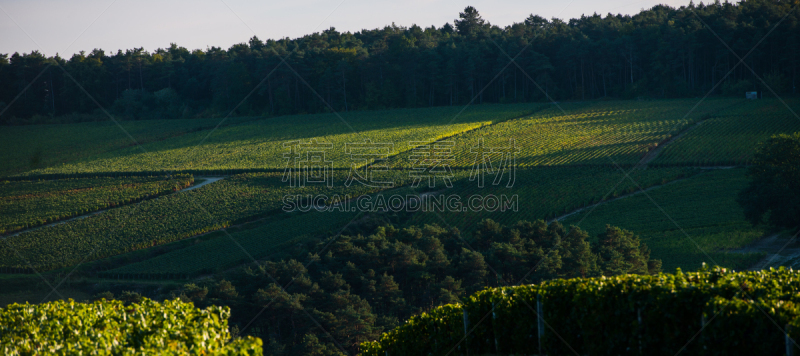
[566, 160]
[257, 145]
[621, 183]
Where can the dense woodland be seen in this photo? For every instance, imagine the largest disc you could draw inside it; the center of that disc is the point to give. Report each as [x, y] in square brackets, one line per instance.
[660, 52]
[375, 276]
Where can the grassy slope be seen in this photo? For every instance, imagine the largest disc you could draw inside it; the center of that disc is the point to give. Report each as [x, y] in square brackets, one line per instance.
[26, 148]
[240, 247]
[541, 191]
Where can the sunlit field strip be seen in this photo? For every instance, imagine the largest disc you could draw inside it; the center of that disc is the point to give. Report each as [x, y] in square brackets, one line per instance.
[596, 133]
[259, 144]
[30, 147]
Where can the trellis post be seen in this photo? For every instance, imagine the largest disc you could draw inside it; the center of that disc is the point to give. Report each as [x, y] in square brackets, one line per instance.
[539, 320]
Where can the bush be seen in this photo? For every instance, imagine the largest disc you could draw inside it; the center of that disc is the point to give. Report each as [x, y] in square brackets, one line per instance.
[745, 313]
[110, 327]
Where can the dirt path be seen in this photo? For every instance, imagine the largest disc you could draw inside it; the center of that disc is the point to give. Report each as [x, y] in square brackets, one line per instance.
[780, 250]
[206, 180]
[589, 207]
[637, 192]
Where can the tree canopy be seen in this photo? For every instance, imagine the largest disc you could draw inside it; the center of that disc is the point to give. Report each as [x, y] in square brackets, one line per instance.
[659, 52]
[774, 189]
[366, 282]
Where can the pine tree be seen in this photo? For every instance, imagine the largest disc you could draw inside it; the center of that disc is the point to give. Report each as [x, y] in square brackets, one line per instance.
[470, 22]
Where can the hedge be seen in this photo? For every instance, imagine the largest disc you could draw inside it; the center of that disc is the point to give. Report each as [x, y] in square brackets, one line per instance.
[743, 313]
[111, 327]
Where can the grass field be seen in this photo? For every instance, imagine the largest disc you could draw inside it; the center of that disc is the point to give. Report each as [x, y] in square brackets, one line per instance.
[543, 192]
[700, 221]
[33, 203]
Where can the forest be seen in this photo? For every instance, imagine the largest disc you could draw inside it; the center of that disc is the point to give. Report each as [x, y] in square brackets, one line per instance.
[662, 52]
[375, 276]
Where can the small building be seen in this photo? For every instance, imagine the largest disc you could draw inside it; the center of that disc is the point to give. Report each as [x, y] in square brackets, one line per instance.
[751, 95]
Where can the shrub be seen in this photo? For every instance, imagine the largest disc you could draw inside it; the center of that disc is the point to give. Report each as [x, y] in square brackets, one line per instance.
[743, 313]
[110, 327]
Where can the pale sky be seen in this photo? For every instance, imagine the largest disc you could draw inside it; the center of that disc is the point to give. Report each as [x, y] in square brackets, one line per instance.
[67, 27]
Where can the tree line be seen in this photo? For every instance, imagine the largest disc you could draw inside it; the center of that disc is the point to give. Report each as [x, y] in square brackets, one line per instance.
[370, 279]
[662, 52]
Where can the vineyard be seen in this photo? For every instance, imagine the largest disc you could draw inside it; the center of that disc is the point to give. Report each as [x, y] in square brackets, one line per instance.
[220, 252]
[621, 183]
[158, 221]
[259, 145]
[585, 133]
[703, 207]
[28, 204]
[546, 192]
[565, 161]
[30, 147]
[730, 138]
[753, 313]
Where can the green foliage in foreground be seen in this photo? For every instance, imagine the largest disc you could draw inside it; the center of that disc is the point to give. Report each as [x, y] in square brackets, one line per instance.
[374, 275]
[111, 327]
[744, 313]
